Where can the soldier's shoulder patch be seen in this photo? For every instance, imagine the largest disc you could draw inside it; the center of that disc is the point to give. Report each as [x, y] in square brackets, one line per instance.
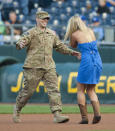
[26, 33]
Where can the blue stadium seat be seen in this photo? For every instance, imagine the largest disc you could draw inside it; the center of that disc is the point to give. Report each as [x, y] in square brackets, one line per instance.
[21, 18]
[112, 22]
[40, 9]
[91, 15]
[33, 11]
[17, 11]
[94, 3]
[69, 12]
[15, 4]
[104, 16]
[56, 22]
[54, 10]
[8, 4]
[60, 4]
[63, 17]
[36, 5]
[27, 22]
[64, 28]
[105, 19]
[32, 18]
[83, 10]
[82, 3]
[74, 4]
[54, 4]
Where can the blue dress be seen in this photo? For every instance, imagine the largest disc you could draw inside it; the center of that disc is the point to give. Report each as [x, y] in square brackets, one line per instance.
[91, 65]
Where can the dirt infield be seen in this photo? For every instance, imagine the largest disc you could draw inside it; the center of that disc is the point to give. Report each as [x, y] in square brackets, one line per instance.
[43, 122]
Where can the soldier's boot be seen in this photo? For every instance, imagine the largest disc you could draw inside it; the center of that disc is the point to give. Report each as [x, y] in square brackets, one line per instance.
[16, 115]
[96, 109]
[83, 111]
[58, 118]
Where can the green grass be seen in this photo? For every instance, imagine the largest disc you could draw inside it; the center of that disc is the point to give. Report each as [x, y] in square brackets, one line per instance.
[44, 109]
[101, 130]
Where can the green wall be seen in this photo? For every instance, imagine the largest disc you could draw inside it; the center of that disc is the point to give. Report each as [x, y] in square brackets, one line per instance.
[107, 54]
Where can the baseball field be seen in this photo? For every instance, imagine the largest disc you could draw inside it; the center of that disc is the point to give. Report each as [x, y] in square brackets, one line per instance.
[37, 117]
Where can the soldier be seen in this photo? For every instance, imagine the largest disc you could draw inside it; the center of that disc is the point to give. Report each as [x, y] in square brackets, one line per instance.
[39, 65]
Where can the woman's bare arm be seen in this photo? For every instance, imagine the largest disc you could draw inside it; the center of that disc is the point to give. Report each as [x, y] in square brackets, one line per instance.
[73, 42]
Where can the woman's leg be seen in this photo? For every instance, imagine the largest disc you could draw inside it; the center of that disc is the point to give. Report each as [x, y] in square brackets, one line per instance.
[81, 94]
[95, 102]
[82, 103]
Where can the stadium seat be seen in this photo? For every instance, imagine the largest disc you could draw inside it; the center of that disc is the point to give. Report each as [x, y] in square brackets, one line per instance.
[63, 17]
[112, 22]
[82, 3]
[15, 4]
[40, 9]
[56, 22]
[74, 3]
[59, 4]
[33, 11]
[83, 10]
[54, 10]
[36, 5]
[112, 9]
[28, 22]
[17, 11]
[21, 18]
[91, 15]
[104, 16]
[69, 12]
[64, 28]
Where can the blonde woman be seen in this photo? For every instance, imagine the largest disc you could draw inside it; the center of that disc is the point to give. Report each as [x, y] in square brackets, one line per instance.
[90, 68]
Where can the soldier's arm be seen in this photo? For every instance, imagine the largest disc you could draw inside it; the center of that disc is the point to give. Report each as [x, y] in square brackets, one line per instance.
[62, 48]
[24, 40]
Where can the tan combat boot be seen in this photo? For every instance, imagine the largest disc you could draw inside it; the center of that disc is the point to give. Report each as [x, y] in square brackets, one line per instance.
[16, 115]
[96, 109]
[83, 111]
[58, 118]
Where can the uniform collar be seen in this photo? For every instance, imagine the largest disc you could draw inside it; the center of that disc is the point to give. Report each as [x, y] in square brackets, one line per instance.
[40, 31]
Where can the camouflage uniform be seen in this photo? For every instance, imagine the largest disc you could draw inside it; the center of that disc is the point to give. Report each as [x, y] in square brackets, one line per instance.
[39, 65]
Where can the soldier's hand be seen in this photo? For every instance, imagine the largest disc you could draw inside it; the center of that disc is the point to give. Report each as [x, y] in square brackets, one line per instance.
[77, 54]
[22, 44]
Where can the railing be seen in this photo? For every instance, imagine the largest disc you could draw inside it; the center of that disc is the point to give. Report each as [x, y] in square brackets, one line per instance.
[11, 38]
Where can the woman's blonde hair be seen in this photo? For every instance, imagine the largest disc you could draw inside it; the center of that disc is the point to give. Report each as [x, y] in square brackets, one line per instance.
[75, 23]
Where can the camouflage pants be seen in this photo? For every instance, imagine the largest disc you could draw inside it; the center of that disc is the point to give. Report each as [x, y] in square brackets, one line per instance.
[31, 79]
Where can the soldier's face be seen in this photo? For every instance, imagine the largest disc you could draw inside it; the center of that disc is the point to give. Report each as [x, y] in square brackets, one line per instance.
[42, 22]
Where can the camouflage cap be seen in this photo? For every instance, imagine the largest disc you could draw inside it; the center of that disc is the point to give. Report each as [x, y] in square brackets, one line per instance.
[42, 14]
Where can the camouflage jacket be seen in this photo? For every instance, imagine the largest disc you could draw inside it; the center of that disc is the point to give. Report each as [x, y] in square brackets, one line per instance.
[40, 47]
